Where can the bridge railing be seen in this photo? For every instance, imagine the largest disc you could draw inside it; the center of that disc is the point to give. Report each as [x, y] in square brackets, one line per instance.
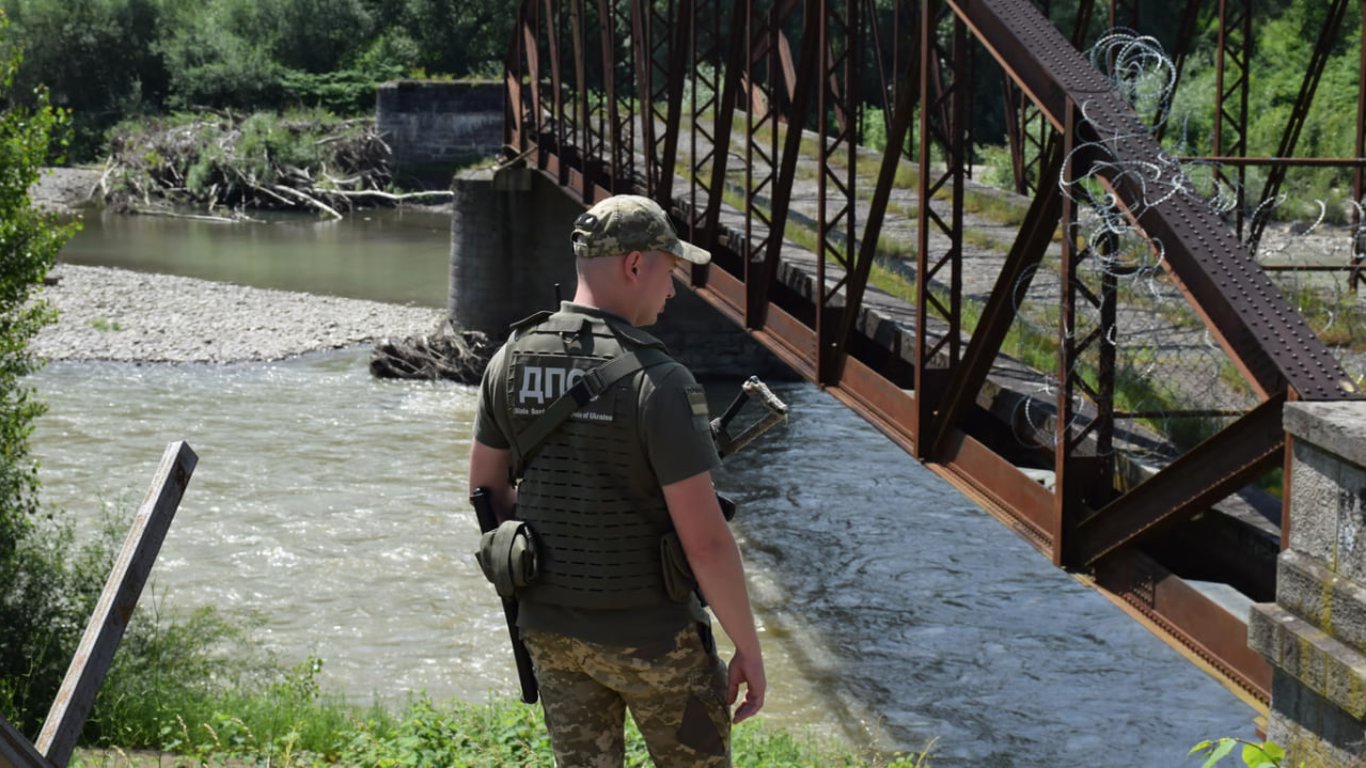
[1150, 352]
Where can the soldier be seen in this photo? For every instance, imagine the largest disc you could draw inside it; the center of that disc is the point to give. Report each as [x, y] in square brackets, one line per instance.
[605, 619]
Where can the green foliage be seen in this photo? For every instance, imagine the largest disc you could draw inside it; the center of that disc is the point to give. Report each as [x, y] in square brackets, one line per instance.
[1285, 37]
[464, 37]
[109, 59]
[1267, 754]
[29, 242]
[212, 67]
[502, 733]
[47, 588]
[95, 57]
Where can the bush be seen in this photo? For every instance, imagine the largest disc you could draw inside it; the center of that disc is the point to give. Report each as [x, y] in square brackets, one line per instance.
[29, 242]
[95, 57]
[212, 67]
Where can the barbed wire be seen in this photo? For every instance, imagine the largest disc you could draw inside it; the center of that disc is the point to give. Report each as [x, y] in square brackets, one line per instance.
[1168, 367]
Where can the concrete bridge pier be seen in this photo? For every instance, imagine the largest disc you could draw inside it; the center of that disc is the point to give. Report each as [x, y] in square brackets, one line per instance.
[510, 245]
[1314, 635]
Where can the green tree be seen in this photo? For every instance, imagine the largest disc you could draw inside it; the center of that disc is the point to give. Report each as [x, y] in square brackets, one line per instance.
[29, 242]
[95, 57]
[461, 37]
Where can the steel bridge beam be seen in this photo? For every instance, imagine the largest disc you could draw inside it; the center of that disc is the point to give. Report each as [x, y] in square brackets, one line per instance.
[1011, 286]
[923, 400]
[760, 287]
[1218, 467]
[1299, 114]
[1252, 321]
[938, 351]
[1232, 82]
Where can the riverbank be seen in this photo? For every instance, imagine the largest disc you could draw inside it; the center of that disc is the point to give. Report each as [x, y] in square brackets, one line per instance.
[65, 191]
[115, 314]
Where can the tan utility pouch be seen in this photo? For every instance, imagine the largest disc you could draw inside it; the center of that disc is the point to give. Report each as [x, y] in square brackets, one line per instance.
[507, 555]
[678, 578]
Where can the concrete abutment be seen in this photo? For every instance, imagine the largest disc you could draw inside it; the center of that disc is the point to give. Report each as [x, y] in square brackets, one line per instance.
[510, 246]
[1314, 635]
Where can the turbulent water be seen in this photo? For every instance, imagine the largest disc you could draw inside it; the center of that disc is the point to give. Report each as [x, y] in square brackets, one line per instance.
[893, 610]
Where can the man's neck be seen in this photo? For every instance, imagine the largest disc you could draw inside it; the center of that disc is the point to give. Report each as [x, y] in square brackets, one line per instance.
[586, 298]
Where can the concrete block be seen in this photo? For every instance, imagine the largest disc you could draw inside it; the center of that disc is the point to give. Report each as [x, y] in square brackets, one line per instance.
[1314, 593]
[1328, 510]
[1318, 661]
[1313, 730]
[1338, 427]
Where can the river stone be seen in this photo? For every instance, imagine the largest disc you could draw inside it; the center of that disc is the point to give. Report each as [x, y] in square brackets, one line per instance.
[115, 314]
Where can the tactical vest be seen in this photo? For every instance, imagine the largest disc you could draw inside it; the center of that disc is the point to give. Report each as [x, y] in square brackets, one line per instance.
[588, 493]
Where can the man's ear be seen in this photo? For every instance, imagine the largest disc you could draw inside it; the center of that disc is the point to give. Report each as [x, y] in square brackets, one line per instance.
[632, 264]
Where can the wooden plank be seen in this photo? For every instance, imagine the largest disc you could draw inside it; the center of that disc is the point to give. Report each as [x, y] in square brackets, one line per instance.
[16, 752]
[121, 591]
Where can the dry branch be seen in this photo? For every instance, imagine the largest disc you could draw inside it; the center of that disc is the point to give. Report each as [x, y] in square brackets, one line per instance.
[219, 160]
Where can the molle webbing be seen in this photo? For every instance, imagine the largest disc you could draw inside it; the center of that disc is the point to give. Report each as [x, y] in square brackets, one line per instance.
[597, 527]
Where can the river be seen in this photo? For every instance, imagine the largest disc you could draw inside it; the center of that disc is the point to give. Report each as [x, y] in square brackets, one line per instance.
[893, 610]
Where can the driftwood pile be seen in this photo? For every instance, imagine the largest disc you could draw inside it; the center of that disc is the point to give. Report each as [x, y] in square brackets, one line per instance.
[228, 165]
[447, 354]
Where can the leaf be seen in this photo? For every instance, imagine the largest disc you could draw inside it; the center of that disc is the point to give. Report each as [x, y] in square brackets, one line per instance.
[1253, 756]
[1274, 751]
[1201, 747]
[1226, 746]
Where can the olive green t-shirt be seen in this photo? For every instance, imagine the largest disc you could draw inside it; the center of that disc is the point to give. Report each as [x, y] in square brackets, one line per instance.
[674, 434]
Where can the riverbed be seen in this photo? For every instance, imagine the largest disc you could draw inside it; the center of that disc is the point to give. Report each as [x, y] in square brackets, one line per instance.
[893, 611]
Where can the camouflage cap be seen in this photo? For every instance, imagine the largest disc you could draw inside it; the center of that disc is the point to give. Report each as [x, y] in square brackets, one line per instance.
[625, 223]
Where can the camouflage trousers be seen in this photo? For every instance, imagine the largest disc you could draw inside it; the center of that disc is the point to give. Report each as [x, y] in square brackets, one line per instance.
[676, 692]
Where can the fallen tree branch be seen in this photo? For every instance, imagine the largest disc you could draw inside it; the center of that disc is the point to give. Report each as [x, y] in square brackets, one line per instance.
[162, 212]
[397, 198]
[316, 203]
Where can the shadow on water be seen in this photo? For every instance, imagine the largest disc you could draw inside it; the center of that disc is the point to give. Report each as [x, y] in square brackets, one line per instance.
[920, 617]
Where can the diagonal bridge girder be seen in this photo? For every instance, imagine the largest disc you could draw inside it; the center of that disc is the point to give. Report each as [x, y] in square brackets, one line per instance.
[829, 332]
[1269, 342]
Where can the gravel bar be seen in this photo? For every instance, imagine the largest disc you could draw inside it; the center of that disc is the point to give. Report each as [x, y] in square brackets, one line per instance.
[116, 314]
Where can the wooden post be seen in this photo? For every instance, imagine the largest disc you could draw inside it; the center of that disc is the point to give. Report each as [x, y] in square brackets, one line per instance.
[16, 752]
[107, 624]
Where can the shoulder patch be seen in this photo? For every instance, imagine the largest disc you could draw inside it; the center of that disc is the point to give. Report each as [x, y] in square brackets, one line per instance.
[697, 402]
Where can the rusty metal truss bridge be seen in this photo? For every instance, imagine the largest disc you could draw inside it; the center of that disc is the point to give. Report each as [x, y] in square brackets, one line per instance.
[1103, 370]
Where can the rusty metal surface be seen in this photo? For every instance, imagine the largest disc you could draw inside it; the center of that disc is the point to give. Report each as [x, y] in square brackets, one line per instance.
[942, 121]
[1265, 337]
[836, 181]
[1217, 637]
[1232, 80]
[908, 376]
[1031, 242]
[1083, 458]
[760, 280]
[1237, 455]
